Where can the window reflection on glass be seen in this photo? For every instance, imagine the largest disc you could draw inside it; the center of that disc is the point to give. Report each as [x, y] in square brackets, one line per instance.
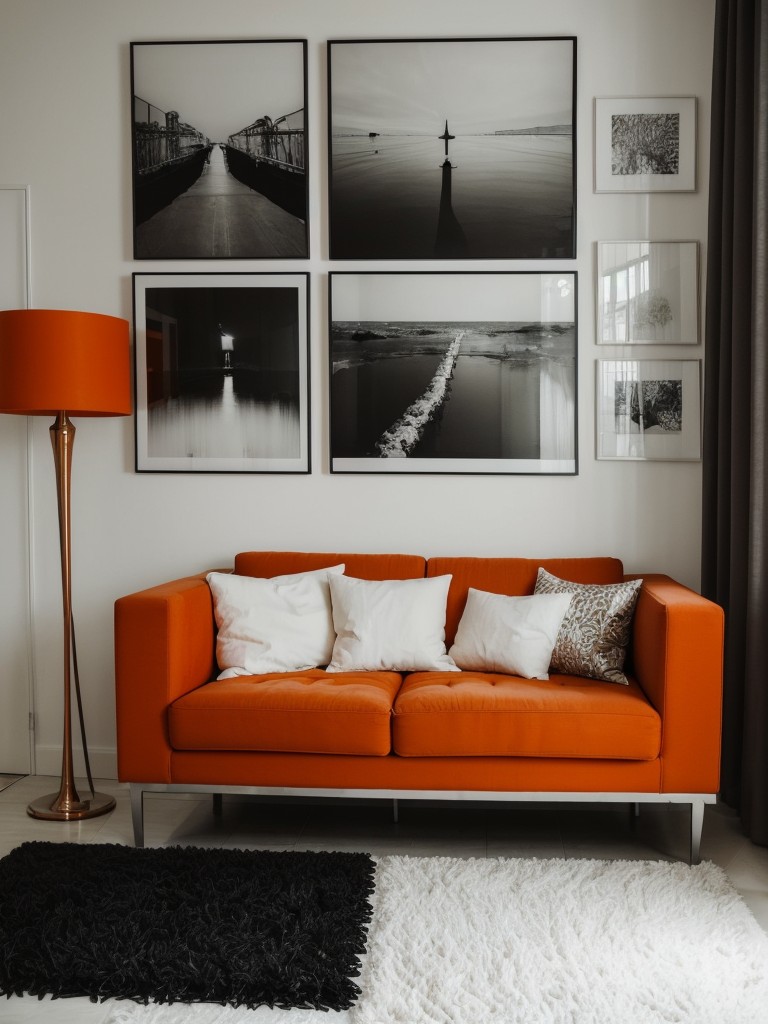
[647, 293]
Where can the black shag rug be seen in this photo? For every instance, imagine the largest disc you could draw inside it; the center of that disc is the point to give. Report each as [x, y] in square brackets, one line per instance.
[184, 924]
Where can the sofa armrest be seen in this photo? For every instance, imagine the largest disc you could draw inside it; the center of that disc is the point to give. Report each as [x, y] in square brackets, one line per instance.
[677, 651]
[164, 647]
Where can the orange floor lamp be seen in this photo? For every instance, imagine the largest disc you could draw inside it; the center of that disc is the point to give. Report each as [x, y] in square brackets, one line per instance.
[62, 363]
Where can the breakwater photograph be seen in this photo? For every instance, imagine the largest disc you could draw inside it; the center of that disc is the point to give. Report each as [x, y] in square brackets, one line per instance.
[417, 391]
[452, 149]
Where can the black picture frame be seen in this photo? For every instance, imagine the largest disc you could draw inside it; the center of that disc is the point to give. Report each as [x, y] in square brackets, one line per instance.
[452, 148]
[453, 372]
[222, 381]
[219, 149]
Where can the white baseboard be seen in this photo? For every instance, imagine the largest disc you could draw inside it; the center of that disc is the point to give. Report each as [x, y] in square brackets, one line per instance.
[103, 761]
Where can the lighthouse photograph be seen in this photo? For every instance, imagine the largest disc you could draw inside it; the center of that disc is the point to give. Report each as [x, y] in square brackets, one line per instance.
[452, 149]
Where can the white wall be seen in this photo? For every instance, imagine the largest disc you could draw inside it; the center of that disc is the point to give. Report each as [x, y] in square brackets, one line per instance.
[64, 125]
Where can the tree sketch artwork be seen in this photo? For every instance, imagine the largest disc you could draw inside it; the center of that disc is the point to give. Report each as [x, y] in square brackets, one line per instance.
[439, 373]
[651, 312]
[452, 149]
[645, 143]
[649, 405]
[219, 154]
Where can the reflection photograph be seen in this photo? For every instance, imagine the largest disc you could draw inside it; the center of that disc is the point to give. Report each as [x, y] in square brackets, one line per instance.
[219, 149]
[452, 149]
[453, 372]
[222, 372]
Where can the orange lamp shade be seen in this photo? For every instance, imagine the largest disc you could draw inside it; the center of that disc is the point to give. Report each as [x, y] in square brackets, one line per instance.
[61, 360]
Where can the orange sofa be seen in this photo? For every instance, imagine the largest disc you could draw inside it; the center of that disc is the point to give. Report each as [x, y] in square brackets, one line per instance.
[450, 735]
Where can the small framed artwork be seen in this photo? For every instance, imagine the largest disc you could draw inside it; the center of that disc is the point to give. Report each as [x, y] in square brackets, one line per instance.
[647, 293]
[218, 133]
[222, 373]
[453, 372]
[452, 148]
[645, 144]
[648, 409]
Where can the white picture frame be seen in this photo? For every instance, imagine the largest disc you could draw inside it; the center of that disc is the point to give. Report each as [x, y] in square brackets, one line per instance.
[648, 409]
[647, 293]
[645, 144]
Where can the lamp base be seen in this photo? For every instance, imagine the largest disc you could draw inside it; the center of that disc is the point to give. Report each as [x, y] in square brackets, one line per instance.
[51, 808]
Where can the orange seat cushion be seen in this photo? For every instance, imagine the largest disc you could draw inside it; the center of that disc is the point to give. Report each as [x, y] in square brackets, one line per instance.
[309, 712]
[477, 713]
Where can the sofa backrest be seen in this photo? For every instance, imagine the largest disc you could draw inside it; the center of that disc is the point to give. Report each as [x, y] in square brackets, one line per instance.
[364, 567]
[513, 576]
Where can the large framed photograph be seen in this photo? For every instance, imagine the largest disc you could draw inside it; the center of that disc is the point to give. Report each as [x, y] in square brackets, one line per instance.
[645, 144]
[453, 372]
[452, 148]
[219, 149]
[647, 293]
[649, 409]
[222, 373]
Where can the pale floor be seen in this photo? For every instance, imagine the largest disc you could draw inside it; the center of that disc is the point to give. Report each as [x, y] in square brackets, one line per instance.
[451, 830]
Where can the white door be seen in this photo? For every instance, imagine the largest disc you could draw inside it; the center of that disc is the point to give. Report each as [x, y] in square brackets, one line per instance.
[15, 682]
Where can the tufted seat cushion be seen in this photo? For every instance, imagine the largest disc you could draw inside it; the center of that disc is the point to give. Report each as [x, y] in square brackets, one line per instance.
[477, 713]
[310, 712]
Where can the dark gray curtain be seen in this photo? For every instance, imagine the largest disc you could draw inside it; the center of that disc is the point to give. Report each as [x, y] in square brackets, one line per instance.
[735, 491]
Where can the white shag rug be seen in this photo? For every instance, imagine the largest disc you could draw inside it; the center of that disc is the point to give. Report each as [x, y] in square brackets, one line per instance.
[513, 941]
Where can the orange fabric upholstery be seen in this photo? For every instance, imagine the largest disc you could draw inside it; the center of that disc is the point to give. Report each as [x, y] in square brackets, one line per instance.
[453, 714]
[312, 712]
[491, 733]
[365, 567]
[164, 647]
[513, 577]
[677, 651]
[460, 774]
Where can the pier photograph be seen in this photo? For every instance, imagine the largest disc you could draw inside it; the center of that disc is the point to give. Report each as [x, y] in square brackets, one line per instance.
[452, 149]
[219, 149]
[222, 380]
[453, 372]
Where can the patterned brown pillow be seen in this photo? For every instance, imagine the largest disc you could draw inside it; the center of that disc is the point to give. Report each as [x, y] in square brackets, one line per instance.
[595, 632]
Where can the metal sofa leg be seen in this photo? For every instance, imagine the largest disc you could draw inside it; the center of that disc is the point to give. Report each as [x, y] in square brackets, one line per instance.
[697, 823]
[137, 814]
[218, 804]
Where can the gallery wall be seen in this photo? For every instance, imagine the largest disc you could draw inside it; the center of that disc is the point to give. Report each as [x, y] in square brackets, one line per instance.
[64, 116]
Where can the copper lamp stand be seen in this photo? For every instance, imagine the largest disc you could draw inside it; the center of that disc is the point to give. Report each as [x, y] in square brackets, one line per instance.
[66, 805]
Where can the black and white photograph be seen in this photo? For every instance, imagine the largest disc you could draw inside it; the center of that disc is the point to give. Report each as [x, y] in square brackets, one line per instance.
[453, 372]
[222, 373]
[647, 293]
[648, 409]
[219, 149]
[645, 144]
[452, 149]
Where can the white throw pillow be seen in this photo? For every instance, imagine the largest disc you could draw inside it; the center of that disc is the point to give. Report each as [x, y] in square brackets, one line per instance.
[282, 624]
[509, 634]
[389, 625]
